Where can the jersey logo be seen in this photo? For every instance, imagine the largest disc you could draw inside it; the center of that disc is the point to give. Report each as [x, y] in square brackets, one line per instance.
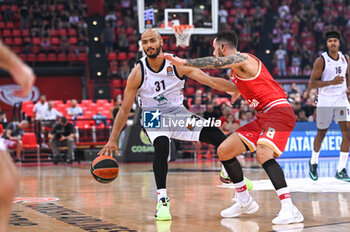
[161, 99]
[342, 59]
[169, 71]
[253, 103]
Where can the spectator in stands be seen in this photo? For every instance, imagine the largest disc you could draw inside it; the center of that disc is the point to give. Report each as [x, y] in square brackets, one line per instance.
[40, 108]
[293, 89]
[223, 14]
[73, 20]
[297, 107]
[117, 101]
[13, 137]
[74, 110]
[7, 14]
[245, 117]
[100, 119]
[230, 124]
[45, 44]
[108, 38]
[113, 68]
[294, 70]
[210, 113]
[111, 18]
[309, 109]
[124, 70]
[26, 45]
[198, 108]
[64, 45]
[51, 113]
[24, 15]
[123, 42]
[62, 135]
[280, 57]
[301, 116]
[307, 70]
[3, 118]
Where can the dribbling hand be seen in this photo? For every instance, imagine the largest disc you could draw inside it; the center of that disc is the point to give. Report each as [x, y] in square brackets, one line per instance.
[337, 80]
[174, 60]
[109, 149]
[235, 96]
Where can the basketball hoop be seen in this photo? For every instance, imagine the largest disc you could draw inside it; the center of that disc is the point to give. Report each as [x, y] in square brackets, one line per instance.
[183, 34]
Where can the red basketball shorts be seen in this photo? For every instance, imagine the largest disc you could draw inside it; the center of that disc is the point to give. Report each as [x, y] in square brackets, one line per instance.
[271, 129]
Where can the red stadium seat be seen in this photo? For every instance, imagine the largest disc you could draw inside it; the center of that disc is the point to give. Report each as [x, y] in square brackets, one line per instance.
[54, 32]
[6, 33]
[231, 19]
[172, 47]
[82, 56]
[189, 91]
[60, 7]
[134, 48]
[117, 92]
[124, 83]
[122, 56]
[23, 57]
[129, 30]
[2, 25]
[25, 32]
[17, 41]
[72, 57]
[84, 124]
[8, 41]
[131, 55]
[55, 41]
[32, 57]
[72, 32]
[232, 12]
[51, 57]
[42, 57]
[101, 101]
[36, 41]
[73, 40]
[112, 56]
[16, 32]
[10, 25]
[116, 83]
[62, 57]
[14, 8]
[228, 4]
[62, 32]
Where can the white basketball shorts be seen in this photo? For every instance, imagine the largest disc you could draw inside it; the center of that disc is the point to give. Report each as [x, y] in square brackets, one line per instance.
[331, 108]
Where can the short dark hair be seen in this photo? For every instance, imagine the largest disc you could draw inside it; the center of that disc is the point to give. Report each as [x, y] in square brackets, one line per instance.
[228, 36]
[63, 119]
[332, 34]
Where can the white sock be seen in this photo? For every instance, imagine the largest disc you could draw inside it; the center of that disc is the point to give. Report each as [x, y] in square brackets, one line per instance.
[343, 158]
[284, 197]
[242, 192]
[161, 193]
[314, 157]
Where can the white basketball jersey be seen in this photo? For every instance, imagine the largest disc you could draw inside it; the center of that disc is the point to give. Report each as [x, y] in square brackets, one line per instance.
[333, 68]
[162, 89]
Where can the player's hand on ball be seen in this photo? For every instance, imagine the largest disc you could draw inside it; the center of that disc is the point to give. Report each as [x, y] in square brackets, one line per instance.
[173, 59]
[338, 80]
[109, 149]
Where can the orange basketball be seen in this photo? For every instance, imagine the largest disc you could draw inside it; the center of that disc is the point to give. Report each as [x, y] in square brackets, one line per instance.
[104, 169]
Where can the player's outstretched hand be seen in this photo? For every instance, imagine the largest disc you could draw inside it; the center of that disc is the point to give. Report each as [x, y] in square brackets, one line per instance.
[235, 96]
[173, 59]
[109, 149]
[24, 76]
[338, 80]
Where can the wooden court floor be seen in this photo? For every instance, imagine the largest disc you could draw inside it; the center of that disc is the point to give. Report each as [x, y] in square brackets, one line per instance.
[67, 198]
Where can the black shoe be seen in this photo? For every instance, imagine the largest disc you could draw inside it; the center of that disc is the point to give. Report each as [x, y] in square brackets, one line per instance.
[342, 175]
[55, 161]
[313, 171]
[69, 161]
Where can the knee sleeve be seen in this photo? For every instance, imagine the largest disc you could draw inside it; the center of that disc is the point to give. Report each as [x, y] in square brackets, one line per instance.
[212, 135]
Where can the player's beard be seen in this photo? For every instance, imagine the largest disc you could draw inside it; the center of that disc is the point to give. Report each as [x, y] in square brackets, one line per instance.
[155, 54]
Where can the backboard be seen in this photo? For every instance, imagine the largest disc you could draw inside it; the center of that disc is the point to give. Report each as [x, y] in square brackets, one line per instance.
[161, 15]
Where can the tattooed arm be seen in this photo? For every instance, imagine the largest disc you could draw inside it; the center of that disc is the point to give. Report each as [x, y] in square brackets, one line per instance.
[209, 62]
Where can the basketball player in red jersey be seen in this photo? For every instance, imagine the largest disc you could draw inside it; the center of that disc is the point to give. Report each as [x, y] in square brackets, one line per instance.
[22, 75]
[267, 135]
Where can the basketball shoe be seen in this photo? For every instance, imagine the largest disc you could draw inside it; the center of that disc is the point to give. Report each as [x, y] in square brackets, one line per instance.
[240, 208]
[288, 215]
[163, 210]
[224, 178]
[342, 175]
[313, 171]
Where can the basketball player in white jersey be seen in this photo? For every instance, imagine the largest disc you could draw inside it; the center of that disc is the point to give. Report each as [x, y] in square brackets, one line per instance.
[331, 76]
[158, 85]
[22, 75]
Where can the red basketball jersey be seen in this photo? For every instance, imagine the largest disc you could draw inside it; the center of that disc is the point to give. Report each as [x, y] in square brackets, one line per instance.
[262, 92]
